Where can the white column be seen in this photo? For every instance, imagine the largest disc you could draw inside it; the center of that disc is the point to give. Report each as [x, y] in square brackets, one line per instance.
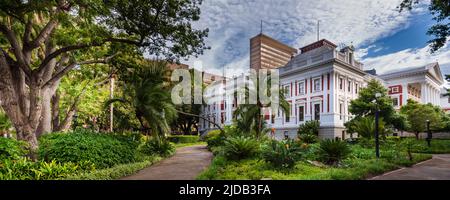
[423, 92]
[404, 94]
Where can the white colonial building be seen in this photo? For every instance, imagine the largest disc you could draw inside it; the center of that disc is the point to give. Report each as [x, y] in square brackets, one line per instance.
[422, 84]
[320, 82]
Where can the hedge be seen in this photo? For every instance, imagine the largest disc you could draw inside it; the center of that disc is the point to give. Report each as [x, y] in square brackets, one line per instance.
[103, 150]
[183, 138]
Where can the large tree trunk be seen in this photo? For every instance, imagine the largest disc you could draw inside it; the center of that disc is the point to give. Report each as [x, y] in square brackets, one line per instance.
[45, 124]
[55, 110]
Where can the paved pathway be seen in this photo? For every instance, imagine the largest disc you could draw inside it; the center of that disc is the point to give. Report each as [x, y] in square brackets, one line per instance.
[186, 164]
[437, 168]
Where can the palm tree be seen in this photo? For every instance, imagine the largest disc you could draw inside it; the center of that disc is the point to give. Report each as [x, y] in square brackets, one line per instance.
[250, 117]
[146, 91]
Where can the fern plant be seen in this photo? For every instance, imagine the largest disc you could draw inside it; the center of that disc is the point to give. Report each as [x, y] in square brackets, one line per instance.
[333, 151]
[240, 147]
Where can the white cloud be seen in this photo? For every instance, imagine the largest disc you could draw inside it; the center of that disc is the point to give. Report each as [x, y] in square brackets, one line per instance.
[410, 58]
[233, 22]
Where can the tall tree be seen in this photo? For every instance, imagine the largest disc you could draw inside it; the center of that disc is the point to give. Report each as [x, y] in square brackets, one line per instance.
[148, 96]
[440, 9]
[418, 114]
[42, 40]
[367, 103]
[250, 117]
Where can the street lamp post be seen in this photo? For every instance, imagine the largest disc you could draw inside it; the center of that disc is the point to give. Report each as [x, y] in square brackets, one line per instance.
[429, 135]
[377, 141]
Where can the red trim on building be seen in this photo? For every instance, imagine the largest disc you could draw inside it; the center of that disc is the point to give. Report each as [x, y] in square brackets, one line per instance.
[322, 82]
[401, 100]
[296, 90]
[322, 105]
[306, 86]
[391, 88]
[311, 85]
[328, 81]
[291, 89]
[328, 103]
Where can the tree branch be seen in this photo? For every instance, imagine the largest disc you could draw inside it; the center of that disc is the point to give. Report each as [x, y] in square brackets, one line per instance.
[43, 35]
[16, 49]
[58, 75]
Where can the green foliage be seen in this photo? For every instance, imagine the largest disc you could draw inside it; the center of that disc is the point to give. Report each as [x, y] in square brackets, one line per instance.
[11, 148]
[367, 104]
[333, 151]
[25, 169]
[309, 127]
[248, 118]
[146, 93]
[365, 126]
[115, 172]
[183, 138]
[103, 150]
[308, 138]
[160, 147]
[282, 154]
[410, 146]
[214, 138]
[418, 114]
[240, 147]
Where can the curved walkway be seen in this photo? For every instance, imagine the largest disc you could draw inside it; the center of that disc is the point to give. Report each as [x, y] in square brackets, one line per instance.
[186, 164]
[437, 168]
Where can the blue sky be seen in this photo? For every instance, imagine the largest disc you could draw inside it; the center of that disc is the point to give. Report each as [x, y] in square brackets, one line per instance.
[385, 39]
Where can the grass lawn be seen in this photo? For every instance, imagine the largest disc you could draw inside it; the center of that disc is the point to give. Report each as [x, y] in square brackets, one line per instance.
[178, 145]
[360, 165]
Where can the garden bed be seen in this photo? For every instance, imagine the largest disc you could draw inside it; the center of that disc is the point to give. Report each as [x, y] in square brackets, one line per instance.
[257, 169]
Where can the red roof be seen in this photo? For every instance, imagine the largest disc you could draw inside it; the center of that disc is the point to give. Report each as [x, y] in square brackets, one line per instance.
[316, 45]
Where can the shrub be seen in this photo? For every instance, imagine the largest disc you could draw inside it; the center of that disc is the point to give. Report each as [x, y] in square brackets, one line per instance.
[365, 127]
[282, 154]
[333, 151]
[25, 169]
[309, 127]
[308, 138]
[103, 150]
[214, 138]
[11, 148]
[240, 147]
[183, 138]
[160, 147]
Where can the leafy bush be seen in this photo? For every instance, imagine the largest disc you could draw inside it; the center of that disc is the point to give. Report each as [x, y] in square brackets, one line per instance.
[282, 154]
[240, 147]
[214, 138]
[103, 150]
[25, 169]
[183, 138]
[333, 151]
[308, 138]
[11, 148]
[365, 127]
[309, 127]
[160, 147]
